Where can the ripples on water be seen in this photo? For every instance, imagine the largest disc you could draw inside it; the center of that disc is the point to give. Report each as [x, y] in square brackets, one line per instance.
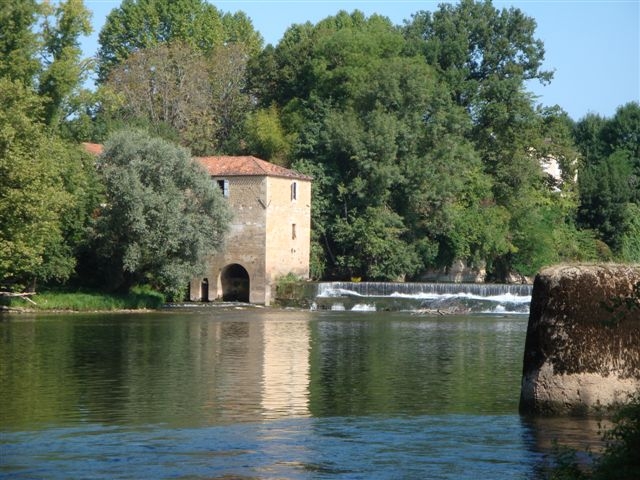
[211, 393]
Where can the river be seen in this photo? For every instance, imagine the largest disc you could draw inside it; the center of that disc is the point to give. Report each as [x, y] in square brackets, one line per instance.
[250, 393]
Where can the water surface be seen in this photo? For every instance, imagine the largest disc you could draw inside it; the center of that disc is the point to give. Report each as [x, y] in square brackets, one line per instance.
[206, 393]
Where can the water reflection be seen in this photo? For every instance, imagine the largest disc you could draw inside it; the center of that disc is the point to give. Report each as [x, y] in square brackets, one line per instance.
[183, 369]
[285, 372]
[581, 434]
[402, 364]
[269, 394]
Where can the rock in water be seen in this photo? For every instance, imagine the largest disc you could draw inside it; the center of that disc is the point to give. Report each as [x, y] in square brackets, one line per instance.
[582, 351]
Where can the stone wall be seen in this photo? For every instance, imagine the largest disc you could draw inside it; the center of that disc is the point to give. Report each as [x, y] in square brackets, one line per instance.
[245, 243]
[582, 351]
[288, 229]
[458, 272]
[269, 236]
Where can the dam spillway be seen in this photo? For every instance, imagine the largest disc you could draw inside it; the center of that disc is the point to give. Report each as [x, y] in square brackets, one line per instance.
[418, 296]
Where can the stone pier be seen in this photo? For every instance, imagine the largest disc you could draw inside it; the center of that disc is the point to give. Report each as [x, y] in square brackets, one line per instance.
[582, 350]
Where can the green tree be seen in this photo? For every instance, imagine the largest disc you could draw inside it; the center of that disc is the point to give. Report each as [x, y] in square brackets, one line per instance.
[447, 196]
[353, 105]
[19, 42]
[609, 184]
[163, 85]
[431, 124]
[475, 47]
[483, 56]
[622, 132]
[376, 236]
[200, 98]
[239, 30]
[140, 24]
[40, 47]
[48, 188]
[587, 134]
[604, 194]
[63, 71]
[45, 194]
[630, 240]
[266, 136]
[163, 215]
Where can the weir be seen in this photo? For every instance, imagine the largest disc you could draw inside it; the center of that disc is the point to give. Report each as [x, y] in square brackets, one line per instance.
[436, 297]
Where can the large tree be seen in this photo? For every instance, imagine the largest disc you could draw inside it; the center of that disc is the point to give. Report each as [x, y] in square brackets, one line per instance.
[46, 193]
[610, 178]
[351, 106]
[474, 45]
[163, 215]
[46, 186]
[484, 56]
[40, 47]
[63, 68]
[139, 24]
[199, 97]
[19, 42]
[430, 127]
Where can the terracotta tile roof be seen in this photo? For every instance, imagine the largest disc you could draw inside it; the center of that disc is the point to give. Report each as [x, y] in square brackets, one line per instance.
[225, 166]
[93, 148]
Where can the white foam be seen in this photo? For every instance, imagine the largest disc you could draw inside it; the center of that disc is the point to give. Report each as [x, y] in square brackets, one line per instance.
[338, 292]
[503, 298]
[363, 307]
[502, 310]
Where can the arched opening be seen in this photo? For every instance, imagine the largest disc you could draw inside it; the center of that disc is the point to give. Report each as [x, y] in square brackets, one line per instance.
[204, 290]
[235, 283]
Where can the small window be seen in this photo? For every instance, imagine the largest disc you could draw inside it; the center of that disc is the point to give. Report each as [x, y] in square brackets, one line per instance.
[293, 231]
[294, 190]
[224, 187]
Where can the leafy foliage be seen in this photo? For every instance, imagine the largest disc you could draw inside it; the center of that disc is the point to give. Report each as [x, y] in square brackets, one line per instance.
[181, 65]
[424, 144]
[19, 42]
[163, 215]
[610, 181]
[46, 194]
[140, 24]
[64, 71]
[430, 124]
[40, 48]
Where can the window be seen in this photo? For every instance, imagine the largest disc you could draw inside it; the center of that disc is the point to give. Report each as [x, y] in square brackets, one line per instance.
[294, 190]
[293, 231]
[224, 187]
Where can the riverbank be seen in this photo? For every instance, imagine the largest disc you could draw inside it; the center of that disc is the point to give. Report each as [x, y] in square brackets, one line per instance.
[138, 299]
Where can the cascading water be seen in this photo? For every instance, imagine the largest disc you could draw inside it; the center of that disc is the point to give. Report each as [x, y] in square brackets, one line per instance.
[428, 297]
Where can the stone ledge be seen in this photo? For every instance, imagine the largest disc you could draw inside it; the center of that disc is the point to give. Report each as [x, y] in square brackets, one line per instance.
[582, 350]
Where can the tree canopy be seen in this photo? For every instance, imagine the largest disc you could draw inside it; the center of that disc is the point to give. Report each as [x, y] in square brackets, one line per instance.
[46, 194]
[40, 48]
[429, 125]
[162, 215]
[47, 186]
[140, 24]
[610, 178]
[425, 146]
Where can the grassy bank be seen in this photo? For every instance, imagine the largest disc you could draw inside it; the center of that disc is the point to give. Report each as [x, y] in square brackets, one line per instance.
[86, 300]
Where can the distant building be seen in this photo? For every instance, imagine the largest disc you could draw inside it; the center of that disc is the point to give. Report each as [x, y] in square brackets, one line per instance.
[270, 231]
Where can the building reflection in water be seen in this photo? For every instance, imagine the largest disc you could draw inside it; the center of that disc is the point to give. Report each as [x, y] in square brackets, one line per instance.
[285, 369]
[254, 370]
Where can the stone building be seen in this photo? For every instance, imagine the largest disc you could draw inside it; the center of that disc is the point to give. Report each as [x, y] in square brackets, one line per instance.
[269, 234]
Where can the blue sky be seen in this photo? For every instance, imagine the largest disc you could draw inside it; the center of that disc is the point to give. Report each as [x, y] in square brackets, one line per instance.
[593, 46]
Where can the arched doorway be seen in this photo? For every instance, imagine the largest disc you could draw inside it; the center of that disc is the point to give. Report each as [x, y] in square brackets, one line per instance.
[235, 283]
[204, 290]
